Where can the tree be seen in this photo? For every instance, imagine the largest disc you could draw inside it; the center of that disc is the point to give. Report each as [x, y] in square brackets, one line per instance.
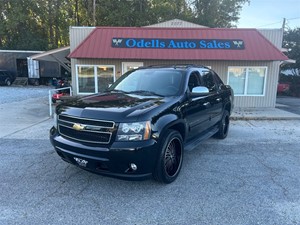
[164, 10]
[44, 24]
[217, 13]
[291, 41]
[19, 29]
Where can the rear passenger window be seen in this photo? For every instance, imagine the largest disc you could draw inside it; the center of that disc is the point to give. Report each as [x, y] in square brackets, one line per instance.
[208, 80]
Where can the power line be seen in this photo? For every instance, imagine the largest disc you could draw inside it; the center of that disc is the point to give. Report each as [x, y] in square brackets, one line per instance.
[294, 18]
[278, 22]
[269, 24]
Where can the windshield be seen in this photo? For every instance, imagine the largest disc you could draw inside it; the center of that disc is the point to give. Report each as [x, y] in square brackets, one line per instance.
[150, 82]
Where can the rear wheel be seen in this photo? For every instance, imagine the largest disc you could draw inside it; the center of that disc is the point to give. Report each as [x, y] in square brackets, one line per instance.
[170, 158]
[223, 126]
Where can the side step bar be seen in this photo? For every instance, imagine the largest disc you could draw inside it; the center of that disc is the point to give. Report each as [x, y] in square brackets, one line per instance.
[194, 143]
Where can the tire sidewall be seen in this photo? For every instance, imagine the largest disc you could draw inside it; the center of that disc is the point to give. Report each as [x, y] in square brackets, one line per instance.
[225, 116]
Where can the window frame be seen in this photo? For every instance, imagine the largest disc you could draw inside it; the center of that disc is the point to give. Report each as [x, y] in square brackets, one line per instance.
[247, 79]
[95, 76]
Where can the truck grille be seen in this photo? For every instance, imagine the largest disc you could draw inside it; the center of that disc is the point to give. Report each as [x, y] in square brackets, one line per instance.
[85, 130]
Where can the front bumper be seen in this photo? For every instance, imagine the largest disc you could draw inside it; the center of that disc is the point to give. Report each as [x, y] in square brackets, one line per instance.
[111, 160]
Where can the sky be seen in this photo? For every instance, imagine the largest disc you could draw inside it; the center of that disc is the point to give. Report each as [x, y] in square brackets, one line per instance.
[270, 14]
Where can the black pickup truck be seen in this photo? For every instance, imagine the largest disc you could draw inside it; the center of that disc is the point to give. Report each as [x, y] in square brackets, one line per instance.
[140, 126]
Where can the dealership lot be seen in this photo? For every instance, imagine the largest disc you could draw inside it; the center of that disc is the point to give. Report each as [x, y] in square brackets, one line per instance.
[290, 104]
[252, 177]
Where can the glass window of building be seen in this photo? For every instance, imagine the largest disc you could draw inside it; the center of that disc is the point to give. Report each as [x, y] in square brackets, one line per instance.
[247, 81]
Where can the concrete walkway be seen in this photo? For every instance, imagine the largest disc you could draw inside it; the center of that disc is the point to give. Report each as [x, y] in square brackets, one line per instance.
[262, 114]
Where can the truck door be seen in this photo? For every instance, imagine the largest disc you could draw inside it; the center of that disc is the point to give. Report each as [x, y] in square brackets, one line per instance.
[214, 97]
[196, 110]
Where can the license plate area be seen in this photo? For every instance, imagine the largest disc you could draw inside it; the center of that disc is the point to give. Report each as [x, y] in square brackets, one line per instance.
[81, 162]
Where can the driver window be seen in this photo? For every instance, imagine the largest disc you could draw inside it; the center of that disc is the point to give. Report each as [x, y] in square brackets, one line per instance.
[193, 80]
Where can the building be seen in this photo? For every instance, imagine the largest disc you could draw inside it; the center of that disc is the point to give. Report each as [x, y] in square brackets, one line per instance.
[247, 59]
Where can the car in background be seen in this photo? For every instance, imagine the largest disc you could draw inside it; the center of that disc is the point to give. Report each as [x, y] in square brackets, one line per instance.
[6, 77]
[63, 83]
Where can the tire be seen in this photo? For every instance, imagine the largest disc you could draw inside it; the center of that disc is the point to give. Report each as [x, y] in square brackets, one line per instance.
[8, 82]
[170, 157]
[223, 126]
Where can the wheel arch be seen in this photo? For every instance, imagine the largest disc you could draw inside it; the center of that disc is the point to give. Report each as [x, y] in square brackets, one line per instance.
[171, 121]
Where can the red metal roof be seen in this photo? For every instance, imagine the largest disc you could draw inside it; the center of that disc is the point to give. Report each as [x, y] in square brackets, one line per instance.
[99, 44]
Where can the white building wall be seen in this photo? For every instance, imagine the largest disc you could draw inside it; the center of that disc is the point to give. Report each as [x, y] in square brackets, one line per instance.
[275, 36]
[221, 67]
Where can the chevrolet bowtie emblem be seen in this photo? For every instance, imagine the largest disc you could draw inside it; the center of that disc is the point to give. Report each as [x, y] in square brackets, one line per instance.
[78, 127]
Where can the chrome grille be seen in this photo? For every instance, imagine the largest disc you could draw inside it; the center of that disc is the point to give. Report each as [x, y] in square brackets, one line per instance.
[85, 130]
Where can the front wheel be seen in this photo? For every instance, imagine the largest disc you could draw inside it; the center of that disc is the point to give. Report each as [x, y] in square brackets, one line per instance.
[223, 126]
[170, 158]
[8, 82]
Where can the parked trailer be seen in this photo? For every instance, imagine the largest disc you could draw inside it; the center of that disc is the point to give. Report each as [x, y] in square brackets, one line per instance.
[22, 64]
[15, 61]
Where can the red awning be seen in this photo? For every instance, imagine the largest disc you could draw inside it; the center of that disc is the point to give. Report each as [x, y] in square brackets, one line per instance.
[103, 43]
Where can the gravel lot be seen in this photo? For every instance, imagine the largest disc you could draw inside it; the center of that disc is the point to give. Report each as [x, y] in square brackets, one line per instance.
[252, 177]
[16, 94]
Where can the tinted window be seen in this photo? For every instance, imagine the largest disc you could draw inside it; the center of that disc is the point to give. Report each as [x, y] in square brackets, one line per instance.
[208, 80]
[218, 79]
[194, 80]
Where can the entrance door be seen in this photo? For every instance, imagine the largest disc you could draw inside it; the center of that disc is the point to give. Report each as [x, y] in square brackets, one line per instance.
[126, 66]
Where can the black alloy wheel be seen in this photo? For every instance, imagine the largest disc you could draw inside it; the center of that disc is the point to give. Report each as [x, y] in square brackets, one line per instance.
[223, 126]
[170, 159]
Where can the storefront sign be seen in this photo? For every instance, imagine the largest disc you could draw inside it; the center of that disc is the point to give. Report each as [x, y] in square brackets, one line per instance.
[235, 44]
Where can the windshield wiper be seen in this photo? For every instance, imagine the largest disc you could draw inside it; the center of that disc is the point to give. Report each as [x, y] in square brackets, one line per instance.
[148, 93]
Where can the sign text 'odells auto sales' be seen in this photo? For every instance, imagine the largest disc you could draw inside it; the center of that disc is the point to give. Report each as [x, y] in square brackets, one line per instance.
[149, 43]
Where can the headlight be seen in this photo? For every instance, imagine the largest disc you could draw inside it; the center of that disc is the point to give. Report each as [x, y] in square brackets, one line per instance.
[134, 131]
[55, 120]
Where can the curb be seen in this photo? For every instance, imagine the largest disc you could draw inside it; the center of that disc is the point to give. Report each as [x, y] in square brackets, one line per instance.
[263, 118]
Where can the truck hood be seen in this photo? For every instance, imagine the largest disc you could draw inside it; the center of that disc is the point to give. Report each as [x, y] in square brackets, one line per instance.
[113, 106]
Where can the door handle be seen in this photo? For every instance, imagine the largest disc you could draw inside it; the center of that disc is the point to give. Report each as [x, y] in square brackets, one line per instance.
[219, 99]
[206, 103]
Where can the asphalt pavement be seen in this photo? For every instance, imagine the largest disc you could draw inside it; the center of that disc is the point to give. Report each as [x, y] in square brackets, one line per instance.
[289, 104]
[251, 177]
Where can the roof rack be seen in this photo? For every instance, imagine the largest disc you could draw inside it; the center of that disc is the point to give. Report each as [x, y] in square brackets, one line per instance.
[175, 66]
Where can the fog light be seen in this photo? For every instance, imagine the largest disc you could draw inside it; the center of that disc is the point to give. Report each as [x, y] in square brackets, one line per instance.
[133, 166]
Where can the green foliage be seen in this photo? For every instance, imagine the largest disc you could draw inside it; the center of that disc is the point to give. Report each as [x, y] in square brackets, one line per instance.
[291, 41]
[217, 13]
[44, 24]
[17, 26]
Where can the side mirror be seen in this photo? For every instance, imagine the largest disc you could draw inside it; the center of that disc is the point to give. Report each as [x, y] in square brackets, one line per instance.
[199, 91]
